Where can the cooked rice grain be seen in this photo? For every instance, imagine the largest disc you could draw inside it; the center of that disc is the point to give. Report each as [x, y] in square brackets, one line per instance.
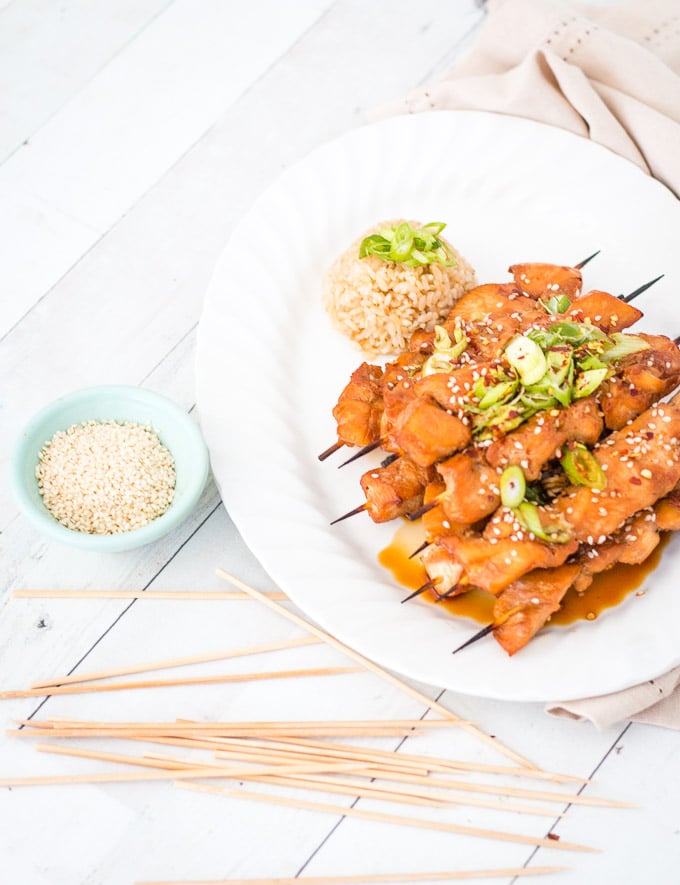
[380, 304]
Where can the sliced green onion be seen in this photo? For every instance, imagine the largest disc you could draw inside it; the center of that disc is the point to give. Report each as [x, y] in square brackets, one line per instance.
[582, 467]
[412, 246]
[513, 486]
[445, 351]
[527, 358]
[499, 420]
[497, 393]
[588, 382]
[624, 345]
[527, 515]
[557, 304]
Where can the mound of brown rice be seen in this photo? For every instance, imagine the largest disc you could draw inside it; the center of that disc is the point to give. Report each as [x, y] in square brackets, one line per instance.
[379, 304]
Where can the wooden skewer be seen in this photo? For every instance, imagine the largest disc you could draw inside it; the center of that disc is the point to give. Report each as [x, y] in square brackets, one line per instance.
[352, 787]
[386, 760]
[330, 450]
[420, 549]
[88, 688]
[480, 634]
[417, 762]
[389, 677]
[359, 509]
[387, 818]
[169, 663]
[363, 451]
[585, 261]
[145, 730]
[256, 727]
[332, 784]
[421, 511]
[634, 294]
[215, 595]
[377, 878]
[428, 585]
[519, 792]
[199, 771]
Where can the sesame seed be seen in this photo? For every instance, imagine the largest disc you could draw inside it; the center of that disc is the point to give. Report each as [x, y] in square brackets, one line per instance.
[106, 477]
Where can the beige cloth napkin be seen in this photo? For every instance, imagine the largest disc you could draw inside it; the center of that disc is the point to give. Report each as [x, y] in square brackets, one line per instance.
[609, 73]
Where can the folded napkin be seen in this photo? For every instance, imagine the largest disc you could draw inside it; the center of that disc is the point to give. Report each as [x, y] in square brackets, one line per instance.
[611, 74]
[608, 73]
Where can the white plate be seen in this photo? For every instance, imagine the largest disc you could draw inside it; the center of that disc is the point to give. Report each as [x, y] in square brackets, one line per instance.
[270, 368]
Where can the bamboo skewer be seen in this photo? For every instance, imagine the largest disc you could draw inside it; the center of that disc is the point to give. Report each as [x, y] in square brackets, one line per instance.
[366, 727]
[201, 595]
[198, 771]
[387, 818]
[374, 668]
[433, 763]
[167, 683]
[169, 663]
[321, 781]
[355, 788]
[372, 878]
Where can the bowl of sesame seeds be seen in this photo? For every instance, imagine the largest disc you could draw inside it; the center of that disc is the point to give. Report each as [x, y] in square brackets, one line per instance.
[109, 468]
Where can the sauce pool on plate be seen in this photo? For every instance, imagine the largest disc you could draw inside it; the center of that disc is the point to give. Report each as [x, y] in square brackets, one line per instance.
[607, 590]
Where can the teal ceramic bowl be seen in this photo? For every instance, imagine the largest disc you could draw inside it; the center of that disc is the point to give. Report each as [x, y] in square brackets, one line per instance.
[176, 431]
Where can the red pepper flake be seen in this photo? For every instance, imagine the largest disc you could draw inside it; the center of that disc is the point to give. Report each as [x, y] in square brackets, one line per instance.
[635, 480]
[554, 837]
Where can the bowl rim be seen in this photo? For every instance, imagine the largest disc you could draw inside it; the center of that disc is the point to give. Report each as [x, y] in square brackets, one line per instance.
[163, 524]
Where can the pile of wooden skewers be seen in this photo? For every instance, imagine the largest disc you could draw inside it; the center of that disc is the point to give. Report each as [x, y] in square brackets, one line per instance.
[531, 437]
[312, 755]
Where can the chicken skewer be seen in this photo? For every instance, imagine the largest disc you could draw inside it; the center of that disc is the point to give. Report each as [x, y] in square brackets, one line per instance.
[484, 319]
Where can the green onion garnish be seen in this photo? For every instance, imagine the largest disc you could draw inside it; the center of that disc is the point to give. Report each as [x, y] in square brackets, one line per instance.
[527, 516]
[512, 486]
[624, 345]
[582, 467]
[527, 358]
[446, 352]
[557, 304]
[412, 246]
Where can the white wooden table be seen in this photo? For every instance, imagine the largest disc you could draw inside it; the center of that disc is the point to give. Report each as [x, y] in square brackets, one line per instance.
[133, 135]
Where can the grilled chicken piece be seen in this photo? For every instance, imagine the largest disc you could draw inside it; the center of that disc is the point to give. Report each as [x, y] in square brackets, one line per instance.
[543, 280]
[539, 439]
[360, 406]
[452, 390]
[444, 571]
[471, 491]
[479, 303]
[427, 433]
[394, 490]
[642, 379]
[489, 316]
[632, 544]
[605, 311]
[667, 512]
[641, 463]
[435, 522]
[523, 608]
[492, 567]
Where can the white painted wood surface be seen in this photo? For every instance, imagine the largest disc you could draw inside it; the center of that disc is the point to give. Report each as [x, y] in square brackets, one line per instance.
[132, 137]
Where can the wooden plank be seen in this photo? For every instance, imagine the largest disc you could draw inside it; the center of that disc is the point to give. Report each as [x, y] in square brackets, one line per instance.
[131, 122]
[49, 51]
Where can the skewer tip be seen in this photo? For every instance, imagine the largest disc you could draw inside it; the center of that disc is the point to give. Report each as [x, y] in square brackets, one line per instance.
[356, 510]
[426, 586]
[585, 261]
[479, 635]
[362, 451]
[634, 294]
[420, 549]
